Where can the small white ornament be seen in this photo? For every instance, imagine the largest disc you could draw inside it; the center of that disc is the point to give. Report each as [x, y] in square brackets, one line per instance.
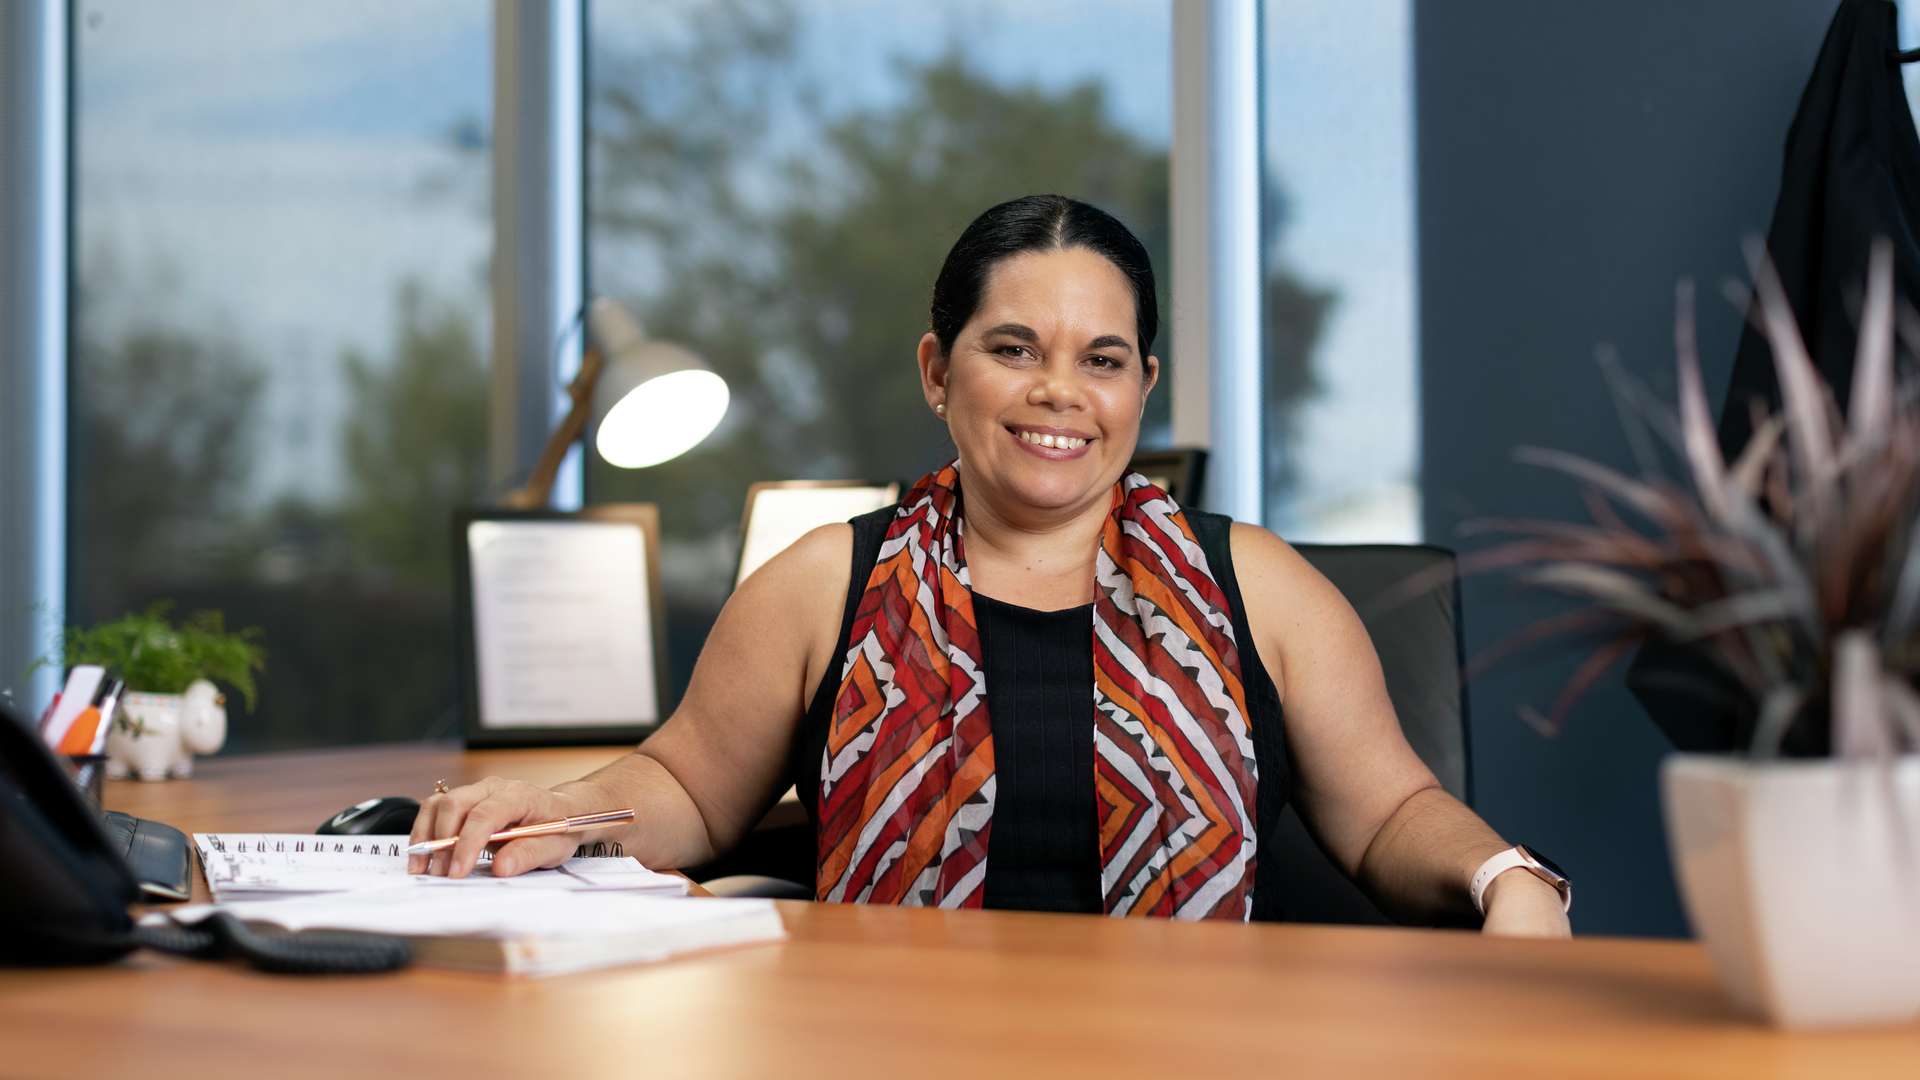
[156, 735]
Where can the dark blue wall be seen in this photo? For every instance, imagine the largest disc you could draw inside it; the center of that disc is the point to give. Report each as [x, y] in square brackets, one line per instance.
[1575, 159]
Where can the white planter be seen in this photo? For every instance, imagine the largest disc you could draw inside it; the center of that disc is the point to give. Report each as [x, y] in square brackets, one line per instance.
[1803, 879]
[161, 732]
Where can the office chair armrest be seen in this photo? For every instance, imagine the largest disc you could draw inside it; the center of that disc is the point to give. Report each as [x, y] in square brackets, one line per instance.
[758, 885]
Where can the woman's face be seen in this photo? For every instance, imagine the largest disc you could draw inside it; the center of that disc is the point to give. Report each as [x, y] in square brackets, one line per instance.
[1045, 385]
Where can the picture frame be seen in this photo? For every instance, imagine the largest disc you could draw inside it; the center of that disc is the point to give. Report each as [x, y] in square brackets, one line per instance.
[1179, 471]
[560, 624]
[778, 512]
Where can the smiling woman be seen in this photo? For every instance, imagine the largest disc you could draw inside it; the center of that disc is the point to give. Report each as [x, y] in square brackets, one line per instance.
[1039, 358]
[1037, 681]
[1043, 385]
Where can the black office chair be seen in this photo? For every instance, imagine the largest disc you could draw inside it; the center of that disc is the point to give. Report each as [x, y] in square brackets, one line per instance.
[1418, 639]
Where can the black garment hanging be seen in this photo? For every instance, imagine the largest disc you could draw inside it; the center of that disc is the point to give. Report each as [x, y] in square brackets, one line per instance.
[1851, 175]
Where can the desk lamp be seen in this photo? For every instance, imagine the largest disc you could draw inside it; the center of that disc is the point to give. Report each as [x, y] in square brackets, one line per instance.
[651, 400]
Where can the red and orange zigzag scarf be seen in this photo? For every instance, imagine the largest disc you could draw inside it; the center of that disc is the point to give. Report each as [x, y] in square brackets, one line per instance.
[907, 779]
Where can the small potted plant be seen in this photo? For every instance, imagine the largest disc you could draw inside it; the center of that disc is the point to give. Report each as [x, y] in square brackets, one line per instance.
[1794, 571]
[172, 710]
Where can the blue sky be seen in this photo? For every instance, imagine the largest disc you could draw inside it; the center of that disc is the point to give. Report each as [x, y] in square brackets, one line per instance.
[227, 68]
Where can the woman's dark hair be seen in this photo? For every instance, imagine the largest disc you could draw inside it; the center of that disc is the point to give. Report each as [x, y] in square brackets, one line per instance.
[1039, 223]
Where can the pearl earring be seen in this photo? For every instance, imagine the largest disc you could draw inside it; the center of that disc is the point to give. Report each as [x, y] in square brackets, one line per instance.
[940, 410]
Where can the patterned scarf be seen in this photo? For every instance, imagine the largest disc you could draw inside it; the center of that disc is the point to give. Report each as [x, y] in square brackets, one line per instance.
[907, 780]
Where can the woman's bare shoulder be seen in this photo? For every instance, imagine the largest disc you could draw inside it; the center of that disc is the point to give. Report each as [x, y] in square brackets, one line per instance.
[800, 595]
[1291, 607]
[1262, 562]
[814, 567]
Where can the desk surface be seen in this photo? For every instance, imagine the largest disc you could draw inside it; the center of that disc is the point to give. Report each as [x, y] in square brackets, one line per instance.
[882, 991]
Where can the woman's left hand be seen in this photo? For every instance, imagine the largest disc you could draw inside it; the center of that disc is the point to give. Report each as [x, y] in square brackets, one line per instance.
[1521, 905]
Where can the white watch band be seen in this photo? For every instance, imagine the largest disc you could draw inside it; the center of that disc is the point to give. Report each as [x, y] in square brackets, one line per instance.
[1511, 859]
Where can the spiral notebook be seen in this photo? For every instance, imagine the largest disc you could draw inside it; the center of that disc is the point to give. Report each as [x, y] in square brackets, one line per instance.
[258, 865]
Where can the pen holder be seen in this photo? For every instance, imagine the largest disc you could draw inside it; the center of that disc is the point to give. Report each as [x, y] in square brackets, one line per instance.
[89, 773]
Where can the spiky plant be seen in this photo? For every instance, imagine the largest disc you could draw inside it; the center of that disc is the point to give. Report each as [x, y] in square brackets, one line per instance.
[1794, 568]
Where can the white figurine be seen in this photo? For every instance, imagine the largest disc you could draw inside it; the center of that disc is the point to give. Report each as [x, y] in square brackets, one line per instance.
[156, 735]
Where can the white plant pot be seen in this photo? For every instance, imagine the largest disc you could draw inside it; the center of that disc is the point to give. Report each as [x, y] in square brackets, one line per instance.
[1803, 879]
[162, 732]
[148, 742]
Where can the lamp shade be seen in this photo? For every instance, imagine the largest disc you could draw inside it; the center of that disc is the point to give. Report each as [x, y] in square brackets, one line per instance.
[655, 400]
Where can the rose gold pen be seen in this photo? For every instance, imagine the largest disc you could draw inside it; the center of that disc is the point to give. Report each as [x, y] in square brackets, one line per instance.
[579, 823]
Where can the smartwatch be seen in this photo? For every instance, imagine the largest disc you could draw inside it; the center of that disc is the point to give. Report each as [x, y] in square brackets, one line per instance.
[1519, 857]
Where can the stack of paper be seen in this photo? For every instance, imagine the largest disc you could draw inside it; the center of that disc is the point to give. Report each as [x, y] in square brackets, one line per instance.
[586, 913]
[521, 933]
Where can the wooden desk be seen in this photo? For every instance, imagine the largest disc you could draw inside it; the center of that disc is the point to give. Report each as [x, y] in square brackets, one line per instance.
[885, 992]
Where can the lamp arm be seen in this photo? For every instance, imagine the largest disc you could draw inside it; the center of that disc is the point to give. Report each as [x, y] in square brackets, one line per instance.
[538, 491]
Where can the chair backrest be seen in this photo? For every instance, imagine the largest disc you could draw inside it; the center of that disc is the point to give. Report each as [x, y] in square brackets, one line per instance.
[1418, 640]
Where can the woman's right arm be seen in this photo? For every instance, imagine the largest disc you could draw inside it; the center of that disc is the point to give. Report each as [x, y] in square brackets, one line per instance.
[707, 776]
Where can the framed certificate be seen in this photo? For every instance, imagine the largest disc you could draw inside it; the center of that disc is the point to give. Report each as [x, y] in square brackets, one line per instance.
[778, 512]
[561, 624]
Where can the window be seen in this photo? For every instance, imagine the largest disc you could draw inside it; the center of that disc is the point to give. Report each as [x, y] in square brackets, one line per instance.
[774, 185]
[279, 338]
[1341, 376]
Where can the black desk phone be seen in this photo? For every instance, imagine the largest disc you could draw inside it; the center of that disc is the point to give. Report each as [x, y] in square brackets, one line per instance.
[63, 891]
[65, 888]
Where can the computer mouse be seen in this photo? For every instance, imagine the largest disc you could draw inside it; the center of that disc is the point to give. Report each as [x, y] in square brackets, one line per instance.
[390, 816]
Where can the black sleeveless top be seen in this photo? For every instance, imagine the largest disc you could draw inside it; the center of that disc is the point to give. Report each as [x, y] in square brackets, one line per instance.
[1045, 851]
